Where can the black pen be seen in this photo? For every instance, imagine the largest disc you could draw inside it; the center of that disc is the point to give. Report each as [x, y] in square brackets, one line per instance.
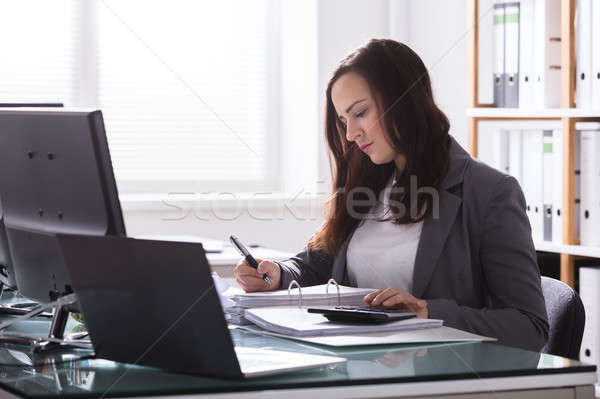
[249, 258]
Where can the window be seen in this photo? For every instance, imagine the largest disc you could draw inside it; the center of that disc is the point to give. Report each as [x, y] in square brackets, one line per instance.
[183, 85]
[37, 53]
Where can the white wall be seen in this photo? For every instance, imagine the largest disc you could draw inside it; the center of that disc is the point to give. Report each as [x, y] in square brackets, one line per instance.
[437, 33]
[343, 26]
[299, 95]
[329, 29]
[279, 223]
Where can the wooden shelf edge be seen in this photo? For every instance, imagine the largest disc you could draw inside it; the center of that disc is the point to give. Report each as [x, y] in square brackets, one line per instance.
[549, 113]
[577, 250]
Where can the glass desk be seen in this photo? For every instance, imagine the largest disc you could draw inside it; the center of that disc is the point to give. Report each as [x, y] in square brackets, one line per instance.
[472, 370]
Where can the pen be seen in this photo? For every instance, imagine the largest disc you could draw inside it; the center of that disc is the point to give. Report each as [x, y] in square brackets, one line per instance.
[249, 258]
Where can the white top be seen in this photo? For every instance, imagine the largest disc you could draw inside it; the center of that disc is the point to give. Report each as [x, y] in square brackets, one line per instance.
[382, 254]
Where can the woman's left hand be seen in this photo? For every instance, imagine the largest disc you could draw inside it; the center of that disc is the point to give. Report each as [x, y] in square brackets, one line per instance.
[396, 298]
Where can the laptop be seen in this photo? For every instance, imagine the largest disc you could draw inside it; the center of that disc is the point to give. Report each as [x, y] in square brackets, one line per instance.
[154, 303]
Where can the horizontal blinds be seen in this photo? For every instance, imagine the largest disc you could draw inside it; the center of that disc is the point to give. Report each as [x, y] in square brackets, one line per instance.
[37, 57]
[182, 87]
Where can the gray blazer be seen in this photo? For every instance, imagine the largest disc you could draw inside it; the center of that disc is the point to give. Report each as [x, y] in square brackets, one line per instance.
[475, 264]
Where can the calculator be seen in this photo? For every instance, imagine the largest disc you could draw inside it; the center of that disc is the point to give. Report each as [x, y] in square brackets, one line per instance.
[355, 314]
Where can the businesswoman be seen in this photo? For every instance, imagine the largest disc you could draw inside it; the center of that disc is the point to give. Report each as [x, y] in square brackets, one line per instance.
[412, 214]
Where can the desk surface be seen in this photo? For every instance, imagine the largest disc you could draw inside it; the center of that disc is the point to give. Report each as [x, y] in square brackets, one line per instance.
[372, 371]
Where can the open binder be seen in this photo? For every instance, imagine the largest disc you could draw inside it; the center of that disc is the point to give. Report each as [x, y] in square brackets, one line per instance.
[317, 295]
[294, 320]
[312, 295]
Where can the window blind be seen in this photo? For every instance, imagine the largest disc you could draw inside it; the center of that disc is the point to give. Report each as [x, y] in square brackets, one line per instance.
[182, 86]
[37, 56]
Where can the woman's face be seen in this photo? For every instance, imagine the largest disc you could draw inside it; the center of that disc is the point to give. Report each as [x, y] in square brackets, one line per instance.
[357, 110]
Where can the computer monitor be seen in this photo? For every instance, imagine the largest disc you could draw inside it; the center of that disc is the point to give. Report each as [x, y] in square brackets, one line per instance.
[31, 105]
[60, 181]
[7, 276]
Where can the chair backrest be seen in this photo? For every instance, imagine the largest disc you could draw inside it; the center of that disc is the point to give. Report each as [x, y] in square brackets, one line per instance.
[566, 317]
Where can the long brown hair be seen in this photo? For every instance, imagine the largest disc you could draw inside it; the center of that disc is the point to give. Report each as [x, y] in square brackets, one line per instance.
[415, 127]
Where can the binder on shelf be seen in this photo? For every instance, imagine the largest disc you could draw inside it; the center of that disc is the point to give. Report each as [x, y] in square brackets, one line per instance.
[589, 291]
[511, 55]
[500, 151]
[577, 179]
[596, 56]
[583, 34]
[556, 185]
[499, 55]
[533, 181]
[547, 37]
[526, 49]
[547, 173]
[590, 181]
[515, 155]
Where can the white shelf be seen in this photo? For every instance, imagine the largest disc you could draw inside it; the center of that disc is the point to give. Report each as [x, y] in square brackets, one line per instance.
[580, 250]
[490, 112]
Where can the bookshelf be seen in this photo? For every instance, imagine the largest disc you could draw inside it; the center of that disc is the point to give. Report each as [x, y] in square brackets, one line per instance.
[535, 114]
[575, 250]
[568, 116]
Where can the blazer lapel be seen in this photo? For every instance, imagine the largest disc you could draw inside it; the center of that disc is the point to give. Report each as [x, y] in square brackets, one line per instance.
[434, 233]
[433, 237]
[435, 230]
[338, 270]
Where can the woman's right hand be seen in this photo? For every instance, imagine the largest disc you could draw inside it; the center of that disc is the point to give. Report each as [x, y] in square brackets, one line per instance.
[250, 279]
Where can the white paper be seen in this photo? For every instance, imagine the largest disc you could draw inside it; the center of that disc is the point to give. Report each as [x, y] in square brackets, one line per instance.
[429, 335]
[298, 322]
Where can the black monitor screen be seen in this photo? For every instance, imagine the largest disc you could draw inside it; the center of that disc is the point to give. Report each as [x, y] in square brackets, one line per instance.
[7, 276]
[57, 178]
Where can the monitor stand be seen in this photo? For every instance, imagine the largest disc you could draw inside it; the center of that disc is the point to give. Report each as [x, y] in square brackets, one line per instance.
[56, 338]
[18, 308]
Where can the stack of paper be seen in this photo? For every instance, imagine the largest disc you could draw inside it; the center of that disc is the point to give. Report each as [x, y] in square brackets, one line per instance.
[314, 295]
[236, 317]
[317, 295]
[297, 322]
[426, 335]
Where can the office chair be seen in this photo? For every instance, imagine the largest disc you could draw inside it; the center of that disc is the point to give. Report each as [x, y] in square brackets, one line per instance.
[566, 319]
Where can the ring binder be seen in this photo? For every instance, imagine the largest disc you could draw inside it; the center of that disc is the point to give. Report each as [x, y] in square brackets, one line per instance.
[299, 291]
[332, 281]
[309, 296]
[329, 282]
